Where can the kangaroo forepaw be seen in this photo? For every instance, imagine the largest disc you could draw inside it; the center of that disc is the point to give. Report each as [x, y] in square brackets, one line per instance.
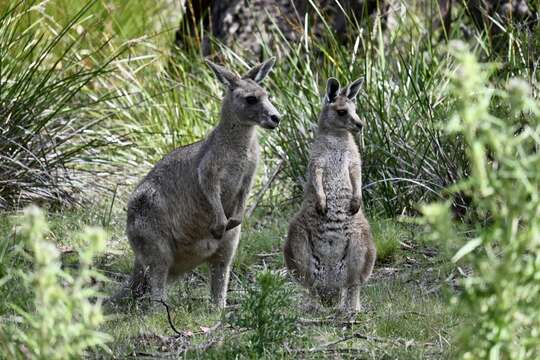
[355, 205]
[218, 230]
[321, 207]
[232, 224]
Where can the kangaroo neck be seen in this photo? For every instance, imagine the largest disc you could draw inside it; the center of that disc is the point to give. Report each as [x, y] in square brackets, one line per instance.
[336, 136]
[233, 132]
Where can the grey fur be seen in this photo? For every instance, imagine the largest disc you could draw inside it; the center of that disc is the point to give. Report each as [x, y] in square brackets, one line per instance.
[189, 207]
[329, 247]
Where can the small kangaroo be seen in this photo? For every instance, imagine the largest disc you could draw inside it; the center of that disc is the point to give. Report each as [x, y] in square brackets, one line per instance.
[189, 207]
[329, 247]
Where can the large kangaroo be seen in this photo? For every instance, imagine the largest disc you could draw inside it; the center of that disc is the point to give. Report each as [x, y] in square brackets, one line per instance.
[329, 247]
[189, 207]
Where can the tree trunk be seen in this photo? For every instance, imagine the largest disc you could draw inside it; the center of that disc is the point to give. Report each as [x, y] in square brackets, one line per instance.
[248, 24]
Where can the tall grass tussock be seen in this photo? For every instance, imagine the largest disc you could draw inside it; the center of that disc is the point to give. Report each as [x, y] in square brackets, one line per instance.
[48, 137]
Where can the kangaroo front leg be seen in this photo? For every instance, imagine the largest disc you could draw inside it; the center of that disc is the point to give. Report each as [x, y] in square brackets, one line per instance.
[210, 187]
[238, 213]
[319, 190]
[220, 267]
[355, 176]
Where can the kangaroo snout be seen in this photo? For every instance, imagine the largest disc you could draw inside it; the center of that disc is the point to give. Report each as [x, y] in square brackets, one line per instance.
[275, 118]
[271, 121]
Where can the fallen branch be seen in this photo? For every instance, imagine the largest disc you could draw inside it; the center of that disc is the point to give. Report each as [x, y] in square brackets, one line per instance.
[303, 321]
[265, 255]
[395, 342]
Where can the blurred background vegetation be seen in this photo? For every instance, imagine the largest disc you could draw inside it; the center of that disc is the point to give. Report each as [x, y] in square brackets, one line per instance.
[93, 93]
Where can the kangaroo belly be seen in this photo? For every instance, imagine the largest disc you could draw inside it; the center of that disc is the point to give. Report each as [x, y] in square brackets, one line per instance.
[187, 257]
[336, 251]
[328, 253]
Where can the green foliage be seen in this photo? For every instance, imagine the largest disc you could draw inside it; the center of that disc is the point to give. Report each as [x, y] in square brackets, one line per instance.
[45, 131]
[64, 311]
[10, 257]
[120, 20]
[266, 313]
[387, 235]
[501, 128]
[261, 240]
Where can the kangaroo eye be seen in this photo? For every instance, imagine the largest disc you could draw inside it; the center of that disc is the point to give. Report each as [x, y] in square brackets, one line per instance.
[251, 100]
[342, 112]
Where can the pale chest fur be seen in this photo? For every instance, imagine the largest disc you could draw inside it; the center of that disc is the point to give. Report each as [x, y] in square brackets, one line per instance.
[332, 231]
[336, 181]
[335, 158]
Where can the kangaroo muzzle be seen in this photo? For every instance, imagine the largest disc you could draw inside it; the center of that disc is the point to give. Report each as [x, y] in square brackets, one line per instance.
[272, 118]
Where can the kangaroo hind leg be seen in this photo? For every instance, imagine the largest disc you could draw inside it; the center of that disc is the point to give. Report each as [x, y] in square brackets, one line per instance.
[220, 267]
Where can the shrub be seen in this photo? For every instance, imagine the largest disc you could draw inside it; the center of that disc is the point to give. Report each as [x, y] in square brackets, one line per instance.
[62, 317]
[46, 139]
[266, 313]
[501, 129]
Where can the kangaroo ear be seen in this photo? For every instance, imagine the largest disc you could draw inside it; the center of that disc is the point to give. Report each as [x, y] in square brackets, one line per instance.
[259, 72]
[354, 88]
[224, 75]
[332, 90]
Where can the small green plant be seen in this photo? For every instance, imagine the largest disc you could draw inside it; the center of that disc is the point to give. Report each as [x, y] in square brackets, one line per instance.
[267, 312]
[387, 235]
[63, 314]
[501, 129]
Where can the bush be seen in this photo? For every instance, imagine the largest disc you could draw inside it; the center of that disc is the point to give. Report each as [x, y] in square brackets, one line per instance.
[266, 313]
[62, 317]
[388, 235]
[46, 138]
[501, 129]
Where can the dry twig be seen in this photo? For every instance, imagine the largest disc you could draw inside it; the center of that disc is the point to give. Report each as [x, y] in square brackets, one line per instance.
[265, 187]
[169, 316]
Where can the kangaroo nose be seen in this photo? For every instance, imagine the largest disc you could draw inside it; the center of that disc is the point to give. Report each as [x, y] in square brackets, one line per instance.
[275, 118]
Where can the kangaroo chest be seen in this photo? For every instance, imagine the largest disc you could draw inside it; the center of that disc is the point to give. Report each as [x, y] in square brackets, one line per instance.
[336, 179]
[235, 178]
[232, 177]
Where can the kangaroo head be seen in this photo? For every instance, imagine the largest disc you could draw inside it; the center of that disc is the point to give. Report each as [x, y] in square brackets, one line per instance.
[246, 101]
[339, 108]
